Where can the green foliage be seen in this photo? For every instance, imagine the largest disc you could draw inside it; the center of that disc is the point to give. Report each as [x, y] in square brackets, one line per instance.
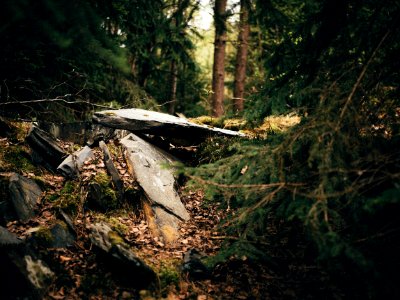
[333, 179]
[168, 274]
[63, 51]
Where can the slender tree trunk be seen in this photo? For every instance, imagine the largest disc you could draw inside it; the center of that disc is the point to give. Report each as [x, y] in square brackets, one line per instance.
[173, 84]
[241, 56]
[219, 58]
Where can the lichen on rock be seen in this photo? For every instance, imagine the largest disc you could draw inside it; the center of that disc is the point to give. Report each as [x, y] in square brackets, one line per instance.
[38, 273]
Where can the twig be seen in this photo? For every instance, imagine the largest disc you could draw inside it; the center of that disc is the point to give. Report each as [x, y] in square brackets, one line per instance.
[239, 186]
[54, 100]
[359, 79]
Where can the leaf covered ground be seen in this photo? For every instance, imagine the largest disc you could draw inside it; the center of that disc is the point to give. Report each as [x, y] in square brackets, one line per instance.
[81, 275]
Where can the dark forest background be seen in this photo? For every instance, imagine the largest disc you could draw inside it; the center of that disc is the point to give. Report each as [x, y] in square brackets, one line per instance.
[328, 188]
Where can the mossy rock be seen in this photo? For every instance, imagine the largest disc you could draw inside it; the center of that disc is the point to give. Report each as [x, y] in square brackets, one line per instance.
[54, 236]
[68, 199]
[208, 120]
[16, 159]
[101, 195]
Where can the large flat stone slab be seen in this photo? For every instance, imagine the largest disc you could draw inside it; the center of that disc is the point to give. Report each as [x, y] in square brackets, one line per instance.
[149, 166]
[145, 121]
[162, 204]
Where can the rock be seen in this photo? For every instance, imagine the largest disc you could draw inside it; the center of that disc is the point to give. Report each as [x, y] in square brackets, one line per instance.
[193, 267]
[145, 121]
[45, 149]
[148, 165]
[5, 129]
[75, 132]
[100, 195]
[115, 253]
[67, 219]
[162, 223]
[25, 195]
[8, 239]
[7, 212]
[57, 236]
[71, 166]
[23, 275]
[62, 237]
[112, 170]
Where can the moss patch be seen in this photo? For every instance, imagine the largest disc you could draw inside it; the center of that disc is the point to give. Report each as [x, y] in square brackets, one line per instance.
[68, 199]
[101, 195]
[16, 159]
[116, 239]
[169, 276]
[44, 236]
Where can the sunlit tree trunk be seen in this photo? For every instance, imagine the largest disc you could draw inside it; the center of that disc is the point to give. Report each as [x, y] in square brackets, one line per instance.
[173, 85]
[219, 58]
[241, 56]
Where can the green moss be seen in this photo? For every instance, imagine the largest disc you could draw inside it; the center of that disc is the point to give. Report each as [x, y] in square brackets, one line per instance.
[108, 197]
[44, 185]
[116, 239]
[117, 225]
[44, 236]
[168, 273]
[207, 120]
[69, 187]
[68, 199]
[16, 158]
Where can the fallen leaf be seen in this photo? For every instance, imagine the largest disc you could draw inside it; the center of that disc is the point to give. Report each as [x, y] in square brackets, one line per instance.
[65, 258]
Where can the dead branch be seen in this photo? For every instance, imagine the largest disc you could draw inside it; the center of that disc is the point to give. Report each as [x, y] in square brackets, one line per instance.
[57, 99]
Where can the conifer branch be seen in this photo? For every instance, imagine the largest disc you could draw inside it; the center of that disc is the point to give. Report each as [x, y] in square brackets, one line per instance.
[360, 78]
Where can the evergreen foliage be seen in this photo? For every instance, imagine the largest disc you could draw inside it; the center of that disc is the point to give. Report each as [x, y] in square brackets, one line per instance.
[332, 180]
[61, 59]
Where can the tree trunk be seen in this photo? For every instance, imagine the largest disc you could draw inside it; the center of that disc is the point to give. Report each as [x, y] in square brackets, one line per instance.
[241, 56]
[219, 58]
[173, 86]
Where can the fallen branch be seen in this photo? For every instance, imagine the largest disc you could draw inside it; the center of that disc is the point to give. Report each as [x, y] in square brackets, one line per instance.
[53, 100]
[239, 186]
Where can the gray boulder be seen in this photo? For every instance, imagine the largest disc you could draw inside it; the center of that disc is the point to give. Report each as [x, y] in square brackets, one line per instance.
[25, 195]
[126, 266]
[22, 274]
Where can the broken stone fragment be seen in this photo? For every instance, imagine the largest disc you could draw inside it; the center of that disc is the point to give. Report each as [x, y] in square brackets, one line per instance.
[23, 275]
[193, 266]
[45, 149]
[56, 236]
[25, 195]
[8, 239]
[112, 170]
[7, 212]
[116, 254]
[71, 166]
[150, 167]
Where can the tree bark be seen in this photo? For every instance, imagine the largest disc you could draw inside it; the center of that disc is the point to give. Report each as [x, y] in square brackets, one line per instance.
[173, 86]
[219, 58]
[241, 56]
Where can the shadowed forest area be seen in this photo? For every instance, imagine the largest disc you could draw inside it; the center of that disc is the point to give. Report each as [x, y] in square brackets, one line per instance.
[146, 153]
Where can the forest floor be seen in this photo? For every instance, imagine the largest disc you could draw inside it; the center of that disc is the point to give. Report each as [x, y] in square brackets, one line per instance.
[81, 276]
